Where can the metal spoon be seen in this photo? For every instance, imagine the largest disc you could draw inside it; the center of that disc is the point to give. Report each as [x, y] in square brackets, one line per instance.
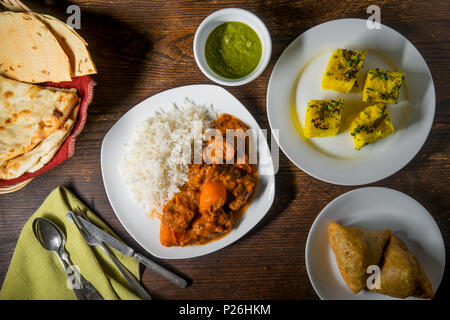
[52, 238]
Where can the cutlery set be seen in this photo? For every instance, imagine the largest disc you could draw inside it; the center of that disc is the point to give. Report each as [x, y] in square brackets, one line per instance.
[53, 239]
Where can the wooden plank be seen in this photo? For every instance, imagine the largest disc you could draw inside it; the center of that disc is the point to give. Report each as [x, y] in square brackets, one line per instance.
[144, 47]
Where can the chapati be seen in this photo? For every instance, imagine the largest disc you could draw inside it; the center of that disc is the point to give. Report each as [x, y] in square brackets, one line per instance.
[29, 52]
[73, 45]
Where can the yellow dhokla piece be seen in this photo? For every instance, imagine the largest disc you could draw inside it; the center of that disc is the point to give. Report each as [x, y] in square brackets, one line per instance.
[323, 118]
[370, 125]
[342, 70]
[382, 86]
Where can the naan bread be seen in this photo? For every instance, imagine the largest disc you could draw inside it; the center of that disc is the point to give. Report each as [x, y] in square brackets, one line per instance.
[29, 114]
[401, 274]
[355, 249]
[29, 52]
[73, 45]
[35, 159]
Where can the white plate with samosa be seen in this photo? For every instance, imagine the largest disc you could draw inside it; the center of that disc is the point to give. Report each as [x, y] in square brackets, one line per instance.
[375, 231]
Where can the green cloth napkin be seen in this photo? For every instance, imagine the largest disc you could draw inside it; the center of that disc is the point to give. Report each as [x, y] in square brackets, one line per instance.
[35, 273]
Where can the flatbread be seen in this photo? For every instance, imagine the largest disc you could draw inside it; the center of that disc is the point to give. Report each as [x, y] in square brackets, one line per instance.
[73, 45]
[29, 52]
[70, 28]
[355, 249]
[35, 159]
[401, 274]
[46, 158]
[29, 114]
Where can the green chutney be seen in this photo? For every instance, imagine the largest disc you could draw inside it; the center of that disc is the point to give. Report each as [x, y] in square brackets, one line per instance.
[233, 50]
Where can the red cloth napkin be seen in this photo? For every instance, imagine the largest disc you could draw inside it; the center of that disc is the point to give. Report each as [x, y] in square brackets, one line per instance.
[85, 86]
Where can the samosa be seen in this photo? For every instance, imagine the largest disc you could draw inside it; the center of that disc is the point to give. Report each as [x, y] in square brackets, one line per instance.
[401, 274]
[356, 249]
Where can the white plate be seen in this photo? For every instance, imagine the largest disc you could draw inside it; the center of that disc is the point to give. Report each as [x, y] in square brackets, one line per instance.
[133, 217]
[374, 209]
[297, 76]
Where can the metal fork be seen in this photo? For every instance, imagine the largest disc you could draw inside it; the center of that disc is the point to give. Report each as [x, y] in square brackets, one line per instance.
[93, 241]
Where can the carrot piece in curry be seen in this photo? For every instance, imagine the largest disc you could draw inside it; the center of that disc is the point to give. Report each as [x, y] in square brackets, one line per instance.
[213, 196]
[167, 236]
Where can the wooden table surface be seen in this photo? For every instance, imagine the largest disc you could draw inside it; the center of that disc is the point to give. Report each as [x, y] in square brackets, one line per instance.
[144, 47]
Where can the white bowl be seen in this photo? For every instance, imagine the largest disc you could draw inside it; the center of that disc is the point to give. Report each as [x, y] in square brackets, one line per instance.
[226, 15]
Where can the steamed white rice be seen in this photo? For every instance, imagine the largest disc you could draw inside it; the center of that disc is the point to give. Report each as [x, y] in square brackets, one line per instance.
[156, 161]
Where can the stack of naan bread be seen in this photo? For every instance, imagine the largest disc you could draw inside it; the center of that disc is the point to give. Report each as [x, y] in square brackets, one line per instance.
[34, 119]
[38, 48]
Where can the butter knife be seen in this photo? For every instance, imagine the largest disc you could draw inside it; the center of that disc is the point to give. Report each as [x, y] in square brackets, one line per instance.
[128, 251]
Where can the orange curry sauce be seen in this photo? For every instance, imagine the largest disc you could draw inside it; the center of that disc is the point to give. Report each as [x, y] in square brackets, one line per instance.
[215, 196]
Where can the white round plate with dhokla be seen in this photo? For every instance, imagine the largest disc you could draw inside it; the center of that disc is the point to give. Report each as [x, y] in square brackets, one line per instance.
[353, 104]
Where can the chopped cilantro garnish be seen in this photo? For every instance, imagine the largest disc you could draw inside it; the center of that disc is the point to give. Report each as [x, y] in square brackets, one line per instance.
[350, 74]
[383, 115]
[361, 127]
[380, 75]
